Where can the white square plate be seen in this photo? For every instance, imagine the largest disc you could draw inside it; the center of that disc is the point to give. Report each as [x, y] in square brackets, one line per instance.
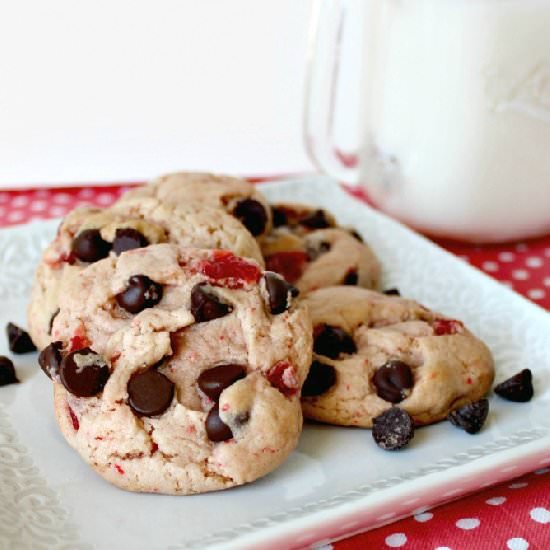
[337, 482]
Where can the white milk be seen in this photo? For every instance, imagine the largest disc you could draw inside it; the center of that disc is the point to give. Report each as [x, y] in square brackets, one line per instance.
[457, 113]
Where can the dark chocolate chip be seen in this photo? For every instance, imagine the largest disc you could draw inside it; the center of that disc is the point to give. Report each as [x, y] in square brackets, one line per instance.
[141, 293]
[470, 417]
[19, 340]
[242, 418]
[128, 238]
[351, 278]
[279, 216]
[332, 341]
[7, 372]
[279, 291]
[392, 292]
[316, 220]
[354, 233]
[89, 246]
[393, 429]
[518, 388]
[50, 358]
[320, 379]
[84, 372]
[216, 429]
[392, 379]
[206, 306]
[252, 215]
[314, 250]
[149, 393]
[52, 319]
[213, 381]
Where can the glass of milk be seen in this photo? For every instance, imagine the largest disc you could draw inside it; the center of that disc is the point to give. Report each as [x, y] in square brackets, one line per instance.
[453, 110]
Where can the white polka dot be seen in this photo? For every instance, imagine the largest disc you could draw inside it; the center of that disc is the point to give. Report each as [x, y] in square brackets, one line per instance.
[42, 193]
[322, 545]
[2, 210]
[509, 284]
[546, 281]
[506, 256]
[86, 193]
[521, 247]
[62, 198]
[4, 198]
[489, 266]
[520, 274]
[423, 518]
[547, 252]
[534, 261]
[105, 198]
[420, 510]
[517, 544]
[536, 293]
[468, 523]
[496, 501]
[15, 216]
[542, 471]
[518, 485]
[19, 201]
[58, 210]
[396, 540]
[38, 206]
[540, 515]
[443, 548]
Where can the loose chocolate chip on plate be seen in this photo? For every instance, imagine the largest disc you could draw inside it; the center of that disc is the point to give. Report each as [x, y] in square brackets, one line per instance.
[19, 340]
[141, 293]
[316, 220]
[50, 358]
[392, 292]
[518, 388]
[149, 393]
[470, 417]
[89, 246]
[279, 291]
[84, 372]
[128, 238]
[332, 341]
[252, 215]
[279, 216]
[392, 380]
[52, 319]
[213, 381]
[7, 372]
[351, 278]
[314, 250]
[393, 429]
[320, 379]
[206, 306]
[216, 429]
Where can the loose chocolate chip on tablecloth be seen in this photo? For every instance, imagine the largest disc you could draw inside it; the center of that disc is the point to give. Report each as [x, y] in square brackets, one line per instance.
[128, 238]
[50, 358]
[392, 380]
[7, 371]
[141, 293]
[351, 278]
[392, 292]
[52, 319]
[332, 341]
[314, 250]
[252, 215]
[216, 429]
[393, 429]
[279, 216]
[19, 340]
[279, 291]
[316, 220]
[206, 306]
[470, 417]
[518, 388]
[89, 246]
[213, 381]
[84, 372]
[149, 393]
[320, 379]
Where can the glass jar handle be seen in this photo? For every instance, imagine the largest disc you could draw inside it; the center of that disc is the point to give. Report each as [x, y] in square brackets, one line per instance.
[328, 23]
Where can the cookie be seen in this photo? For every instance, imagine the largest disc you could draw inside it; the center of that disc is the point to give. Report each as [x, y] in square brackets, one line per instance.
[178, 370]
[373, 351]
[89, 234]
[236, 196]
[320, 258]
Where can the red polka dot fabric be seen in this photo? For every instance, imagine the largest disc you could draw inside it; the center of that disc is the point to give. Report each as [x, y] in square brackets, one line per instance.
[514, 515]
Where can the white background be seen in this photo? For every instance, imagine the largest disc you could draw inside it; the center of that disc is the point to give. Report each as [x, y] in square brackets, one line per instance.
[121, 90]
